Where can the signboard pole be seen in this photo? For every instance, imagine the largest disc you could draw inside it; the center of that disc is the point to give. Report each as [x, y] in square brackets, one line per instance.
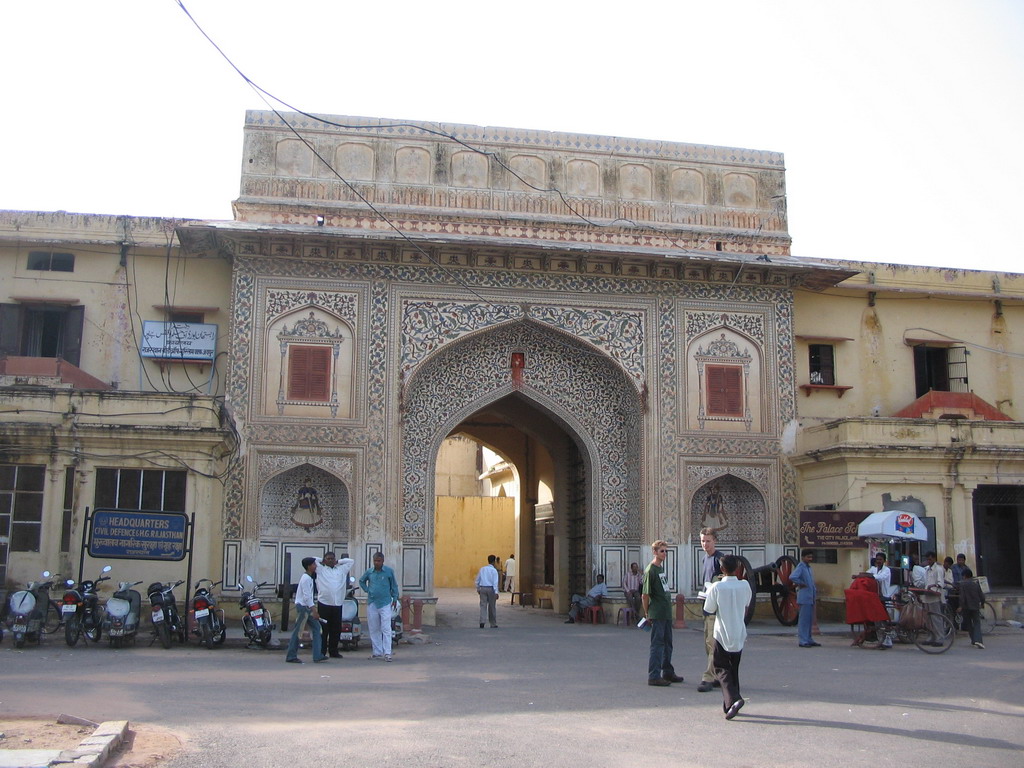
[85, 537]
[191, 542]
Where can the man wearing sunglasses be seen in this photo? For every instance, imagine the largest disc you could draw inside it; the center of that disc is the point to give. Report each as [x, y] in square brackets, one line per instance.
[657, 606]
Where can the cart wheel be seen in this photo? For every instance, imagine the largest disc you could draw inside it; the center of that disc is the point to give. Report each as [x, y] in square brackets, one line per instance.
[746, 572]
[784, 594]
[929, 641]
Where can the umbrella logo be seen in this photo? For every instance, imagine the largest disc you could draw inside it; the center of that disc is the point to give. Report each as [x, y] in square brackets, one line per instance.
[905, 522]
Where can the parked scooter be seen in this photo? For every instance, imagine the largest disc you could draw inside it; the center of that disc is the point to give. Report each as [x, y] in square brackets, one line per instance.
[207, 620]
[351, 629]
[81, 610]
[256, 619]
[167, 623]
[122, 614]
[27, 611]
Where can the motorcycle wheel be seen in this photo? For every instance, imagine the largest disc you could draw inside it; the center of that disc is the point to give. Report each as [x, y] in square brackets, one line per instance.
[164, 633]
[116, 642]
[264, 639]
[72, 631]
[220, 637]
[19, 640]
[207, 635]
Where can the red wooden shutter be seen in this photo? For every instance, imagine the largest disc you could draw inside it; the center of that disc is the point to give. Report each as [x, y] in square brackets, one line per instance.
[309, 373]
[725, 390]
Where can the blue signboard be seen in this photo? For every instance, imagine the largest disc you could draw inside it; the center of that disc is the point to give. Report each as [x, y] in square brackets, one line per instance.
[136, 535]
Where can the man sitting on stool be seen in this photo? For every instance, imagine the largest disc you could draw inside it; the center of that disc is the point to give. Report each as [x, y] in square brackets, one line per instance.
[578, 602]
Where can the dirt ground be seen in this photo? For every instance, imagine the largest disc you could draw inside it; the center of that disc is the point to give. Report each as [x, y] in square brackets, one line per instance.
[146, 746]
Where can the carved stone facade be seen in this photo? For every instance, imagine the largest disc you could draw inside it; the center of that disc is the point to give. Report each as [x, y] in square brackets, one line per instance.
[591, 280]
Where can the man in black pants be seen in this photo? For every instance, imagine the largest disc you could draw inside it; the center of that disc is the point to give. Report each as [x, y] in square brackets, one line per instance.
[728, 600]
[331, 586]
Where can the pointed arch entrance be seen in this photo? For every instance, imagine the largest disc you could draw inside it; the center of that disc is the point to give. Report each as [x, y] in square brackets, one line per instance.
[555, 389]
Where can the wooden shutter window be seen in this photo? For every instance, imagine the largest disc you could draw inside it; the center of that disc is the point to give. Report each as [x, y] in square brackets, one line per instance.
[725, 390]
[309, 373]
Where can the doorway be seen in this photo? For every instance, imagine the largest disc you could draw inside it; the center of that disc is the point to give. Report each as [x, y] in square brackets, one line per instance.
[527, 391]
[998, 530]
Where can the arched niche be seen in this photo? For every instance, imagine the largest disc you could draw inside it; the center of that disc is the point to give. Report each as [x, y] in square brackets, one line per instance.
[302, 503]
[740, 190]
[735, 508]
[293, 158]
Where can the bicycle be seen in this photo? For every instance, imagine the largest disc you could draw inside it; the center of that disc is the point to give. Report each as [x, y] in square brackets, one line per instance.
[987, 613]
[910, 621]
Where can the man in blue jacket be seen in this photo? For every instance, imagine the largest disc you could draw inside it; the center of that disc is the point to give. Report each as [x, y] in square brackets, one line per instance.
[806, 594]
[381, 598]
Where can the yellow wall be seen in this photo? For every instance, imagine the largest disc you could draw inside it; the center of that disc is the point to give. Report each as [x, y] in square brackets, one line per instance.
[467, 530]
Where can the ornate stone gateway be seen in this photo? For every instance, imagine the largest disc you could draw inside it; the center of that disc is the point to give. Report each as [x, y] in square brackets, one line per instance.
[575, 384]
[624, 304]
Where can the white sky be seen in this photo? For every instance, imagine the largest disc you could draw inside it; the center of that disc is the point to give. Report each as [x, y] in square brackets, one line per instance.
[901, 120]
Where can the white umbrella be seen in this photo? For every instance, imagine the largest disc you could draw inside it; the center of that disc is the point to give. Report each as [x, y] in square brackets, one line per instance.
[893, 524]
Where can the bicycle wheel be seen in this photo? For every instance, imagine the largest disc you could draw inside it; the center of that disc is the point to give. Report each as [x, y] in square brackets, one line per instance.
[988, 619]
[932, 642]
[53, 619]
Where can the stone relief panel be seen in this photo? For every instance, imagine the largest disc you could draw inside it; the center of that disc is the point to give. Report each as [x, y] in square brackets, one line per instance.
[469, 169]
[687, 186]
[635, 182]
[563, 376]
[531, 169]
[740, 190]
[293, 158]
[728, 502]
[412, 165]
[304, 501]
[582, 177]
[354, 161]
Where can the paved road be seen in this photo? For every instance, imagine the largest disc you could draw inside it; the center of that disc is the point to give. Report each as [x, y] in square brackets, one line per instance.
[536, 692]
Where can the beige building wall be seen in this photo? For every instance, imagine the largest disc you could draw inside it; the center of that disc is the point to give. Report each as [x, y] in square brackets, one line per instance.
[125, 412]
[857, 448]
[468, 529]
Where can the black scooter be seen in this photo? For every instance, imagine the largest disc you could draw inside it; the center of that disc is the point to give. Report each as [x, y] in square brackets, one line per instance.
[80, 608]
[166, 620]
[257, 622]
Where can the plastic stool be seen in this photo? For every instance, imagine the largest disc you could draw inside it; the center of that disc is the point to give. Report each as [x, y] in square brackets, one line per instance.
[627, 616]
[594, 614]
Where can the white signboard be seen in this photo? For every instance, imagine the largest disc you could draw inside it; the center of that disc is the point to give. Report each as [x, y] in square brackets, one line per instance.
[179, 341]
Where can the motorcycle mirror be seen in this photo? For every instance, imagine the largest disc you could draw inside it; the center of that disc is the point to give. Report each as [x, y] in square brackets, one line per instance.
[249, 579]
[70, 582]
[107, 569]
[46, 574]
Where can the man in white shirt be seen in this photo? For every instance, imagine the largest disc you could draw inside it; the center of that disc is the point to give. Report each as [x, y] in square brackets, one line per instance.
[510, 573]
[331, 586]
[728, 600]
[883, 575]
[578, 602]
[934, 582]
[305, 616]
[487, 588]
